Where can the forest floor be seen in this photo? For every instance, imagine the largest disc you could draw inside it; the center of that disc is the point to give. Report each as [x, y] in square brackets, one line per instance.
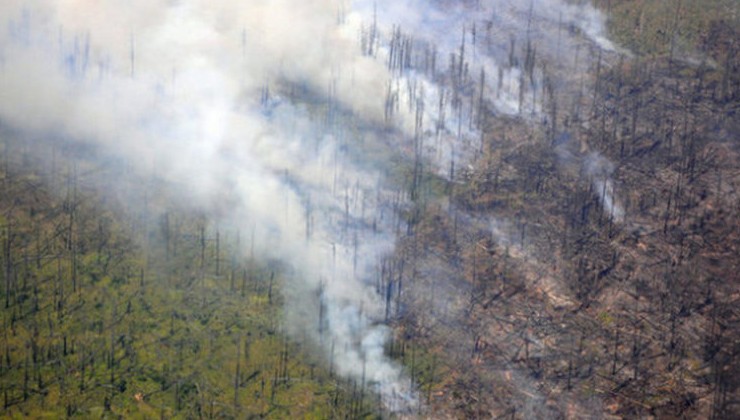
[543, 303]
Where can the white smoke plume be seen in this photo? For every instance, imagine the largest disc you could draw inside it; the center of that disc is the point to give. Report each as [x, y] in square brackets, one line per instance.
[191, 88]
[205, 92]
[600, 170]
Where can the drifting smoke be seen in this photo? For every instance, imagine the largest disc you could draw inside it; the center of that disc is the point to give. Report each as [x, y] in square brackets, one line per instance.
[183, 87]
[600, 170]
[596, 168]
[464, 59]
[201, 91]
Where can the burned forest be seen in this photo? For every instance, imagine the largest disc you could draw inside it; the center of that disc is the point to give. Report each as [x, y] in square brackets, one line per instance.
[370, 209]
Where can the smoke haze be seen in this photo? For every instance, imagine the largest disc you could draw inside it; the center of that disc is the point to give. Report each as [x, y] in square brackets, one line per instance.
[241, 102]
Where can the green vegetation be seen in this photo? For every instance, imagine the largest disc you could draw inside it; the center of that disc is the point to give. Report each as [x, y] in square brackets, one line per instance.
[661, 27]
[139, 316]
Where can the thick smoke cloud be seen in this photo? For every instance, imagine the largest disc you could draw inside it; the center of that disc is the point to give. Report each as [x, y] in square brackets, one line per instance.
[201, 91]
[182, 87]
